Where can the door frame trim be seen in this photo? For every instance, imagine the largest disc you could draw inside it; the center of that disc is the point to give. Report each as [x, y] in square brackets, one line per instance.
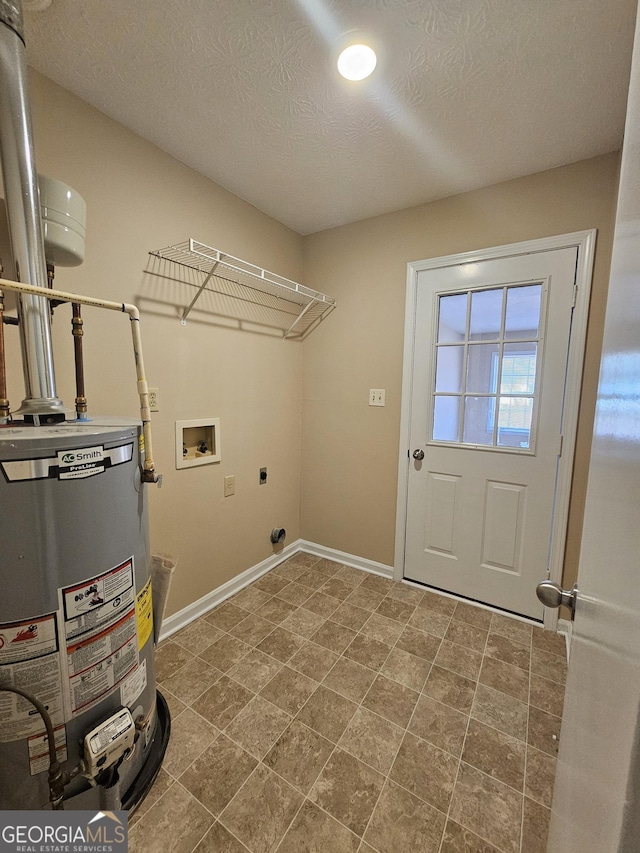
[585, 241]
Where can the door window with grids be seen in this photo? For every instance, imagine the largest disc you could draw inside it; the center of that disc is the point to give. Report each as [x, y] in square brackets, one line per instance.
[487, 352]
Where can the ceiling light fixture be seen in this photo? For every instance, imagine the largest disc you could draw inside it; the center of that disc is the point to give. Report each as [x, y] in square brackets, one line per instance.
[357, 61]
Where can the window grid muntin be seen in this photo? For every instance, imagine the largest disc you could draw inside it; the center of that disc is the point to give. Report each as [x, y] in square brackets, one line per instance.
[500, 341]
[510, 393]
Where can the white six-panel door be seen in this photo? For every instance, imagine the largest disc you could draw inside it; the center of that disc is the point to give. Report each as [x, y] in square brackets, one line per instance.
[490, 349]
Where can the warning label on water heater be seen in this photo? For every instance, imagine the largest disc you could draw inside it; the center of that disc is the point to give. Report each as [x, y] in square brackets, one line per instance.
[29, 658]
[99, 617]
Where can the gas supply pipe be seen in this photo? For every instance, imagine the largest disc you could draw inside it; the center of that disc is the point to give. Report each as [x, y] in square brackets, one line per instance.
[149, 473]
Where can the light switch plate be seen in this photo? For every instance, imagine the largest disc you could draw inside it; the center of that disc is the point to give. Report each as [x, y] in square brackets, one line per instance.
[376, 396]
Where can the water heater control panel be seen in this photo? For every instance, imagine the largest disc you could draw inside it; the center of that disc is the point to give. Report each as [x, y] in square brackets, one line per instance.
[108, 742]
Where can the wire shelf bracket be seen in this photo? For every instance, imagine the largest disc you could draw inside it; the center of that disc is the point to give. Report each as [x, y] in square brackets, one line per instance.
[302, 307]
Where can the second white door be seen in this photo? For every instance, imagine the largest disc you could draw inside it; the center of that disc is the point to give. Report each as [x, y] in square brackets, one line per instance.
[489, 365]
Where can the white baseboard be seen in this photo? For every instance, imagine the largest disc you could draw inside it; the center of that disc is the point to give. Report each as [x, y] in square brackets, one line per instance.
[212, 599]
[347, 559]
[566, 628]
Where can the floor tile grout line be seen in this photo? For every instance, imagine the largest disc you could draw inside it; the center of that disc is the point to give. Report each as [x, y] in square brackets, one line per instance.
[336, 746]
[242, 746]
[474, 831]
[378, 674]
[260, 761]
[524, 786]
[385, 782]
[195, 699]
[216, 818]
[306, 568]
[404, 623]
[461, 762]
[275, 772]
[219, 817]
[188, 792]
[225, 829]
[499, 731]
[360, 705]
[489, 776]
[164, 793]
[406, 729]
[455, 781]
[190, 707]
[386, 777]
[319, 807]
[327, 618]
[524, 790]
[291, 719]
[196, 757]
[306, 796]
[424, 802]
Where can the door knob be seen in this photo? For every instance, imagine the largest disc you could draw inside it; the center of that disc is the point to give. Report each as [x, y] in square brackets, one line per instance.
[552, 595]
[418, 454]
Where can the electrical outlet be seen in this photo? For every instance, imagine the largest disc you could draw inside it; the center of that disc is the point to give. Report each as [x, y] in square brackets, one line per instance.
[154, 403]
[229, 485]
[376, 396]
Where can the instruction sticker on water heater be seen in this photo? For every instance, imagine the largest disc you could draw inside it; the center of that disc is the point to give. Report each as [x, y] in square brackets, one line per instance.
[99, 600]
[100, 629]
[39, 750]
[80, 463]
[97, 665]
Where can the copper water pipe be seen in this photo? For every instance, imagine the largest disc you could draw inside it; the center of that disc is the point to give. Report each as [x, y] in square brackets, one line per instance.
[76, 325]
[4, 403]
[76, 330]
[149, 473]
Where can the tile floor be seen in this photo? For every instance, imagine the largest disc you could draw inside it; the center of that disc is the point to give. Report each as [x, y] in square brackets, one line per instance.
[326, 709]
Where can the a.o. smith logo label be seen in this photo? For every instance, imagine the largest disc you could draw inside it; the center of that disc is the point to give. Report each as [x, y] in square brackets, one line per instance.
[63, 832]
[80, 463]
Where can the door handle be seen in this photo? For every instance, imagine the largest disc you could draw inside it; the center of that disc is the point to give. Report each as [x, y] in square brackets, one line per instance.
[418, 454]
[551, 594]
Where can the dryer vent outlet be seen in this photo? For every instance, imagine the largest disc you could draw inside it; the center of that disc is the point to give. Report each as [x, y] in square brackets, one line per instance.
[278, 535]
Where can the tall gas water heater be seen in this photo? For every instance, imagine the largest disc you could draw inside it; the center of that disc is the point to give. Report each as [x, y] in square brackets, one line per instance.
[81, 722]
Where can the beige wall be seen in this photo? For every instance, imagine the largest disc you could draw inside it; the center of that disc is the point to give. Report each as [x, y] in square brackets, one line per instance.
[350, 450]
[140, 199]
[301, 410]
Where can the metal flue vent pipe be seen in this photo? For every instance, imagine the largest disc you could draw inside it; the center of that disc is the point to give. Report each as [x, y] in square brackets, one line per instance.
[23, 216]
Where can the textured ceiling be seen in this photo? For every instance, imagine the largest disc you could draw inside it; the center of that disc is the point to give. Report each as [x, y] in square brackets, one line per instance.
[467, 92]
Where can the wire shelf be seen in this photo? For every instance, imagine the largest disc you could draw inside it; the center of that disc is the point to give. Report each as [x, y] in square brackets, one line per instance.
[299, 308]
